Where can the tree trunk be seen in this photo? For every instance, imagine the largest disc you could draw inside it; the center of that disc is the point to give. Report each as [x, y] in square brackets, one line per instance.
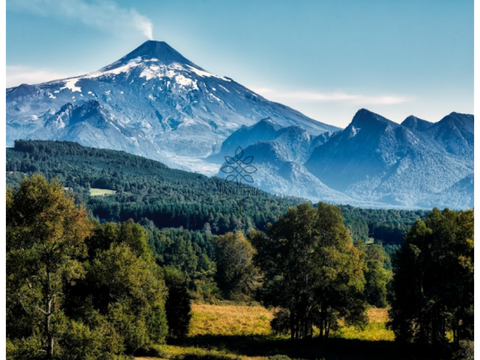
[49, 338]
[48, 317]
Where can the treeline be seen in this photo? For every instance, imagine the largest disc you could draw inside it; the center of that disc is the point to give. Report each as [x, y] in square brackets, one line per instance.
[146, 189]
[386, 226]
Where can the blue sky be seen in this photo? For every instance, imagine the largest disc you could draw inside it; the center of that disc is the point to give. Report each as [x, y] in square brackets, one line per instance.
[324, 58]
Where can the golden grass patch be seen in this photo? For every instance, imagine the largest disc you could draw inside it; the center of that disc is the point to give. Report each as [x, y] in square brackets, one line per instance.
[230, 320]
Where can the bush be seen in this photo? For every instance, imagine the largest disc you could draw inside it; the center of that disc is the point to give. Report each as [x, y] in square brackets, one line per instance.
[155, 351]
[8, 350]
[80, 342]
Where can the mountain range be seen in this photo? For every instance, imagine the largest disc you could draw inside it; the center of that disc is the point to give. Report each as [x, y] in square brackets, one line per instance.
[156, 103]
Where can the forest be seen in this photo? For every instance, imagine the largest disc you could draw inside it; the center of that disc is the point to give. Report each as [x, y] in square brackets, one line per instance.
[147, 189]
[116, 275]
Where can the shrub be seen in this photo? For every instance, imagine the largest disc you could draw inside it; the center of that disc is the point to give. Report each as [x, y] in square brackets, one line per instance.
[80, 342]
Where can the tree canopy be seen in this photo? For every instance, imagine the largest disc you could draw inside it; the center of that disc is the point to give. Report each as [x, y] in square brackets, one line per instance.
[46, 234]
[77, 289]
[433, 284]
[312, 271]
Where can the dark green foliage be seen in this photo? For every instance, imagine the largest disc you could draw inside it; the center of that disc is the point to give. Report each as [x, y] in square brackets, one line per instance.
[377, 275]
[186, 250]
[25, 348]
[123, 286]
[173, 198]
[433, 283]
[190, 252]
[236, 274]
[390, 250]
[74, 292]
[80, 342]
[178, 305]
[45, 235]
[145, 188]
[386, 226]
[312, 271]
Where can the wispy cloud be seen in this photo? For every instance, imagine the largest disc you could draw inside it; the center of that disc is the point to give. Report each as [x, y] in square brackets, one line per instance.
[101, 14]
[330, 97]
[18, 74]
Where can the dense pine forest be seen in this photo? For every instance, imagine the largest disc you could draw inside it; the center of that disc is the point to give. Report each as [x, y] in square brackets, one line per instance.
[147, 189]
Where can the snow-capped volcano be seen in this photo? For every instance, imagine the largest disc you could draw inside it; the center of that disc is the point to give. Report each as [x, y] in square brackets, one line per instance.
[153, 102]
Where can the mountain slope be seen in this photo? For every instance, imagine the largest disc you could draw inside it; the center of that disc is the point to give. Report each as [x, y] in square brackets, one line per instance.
[458, 196]
[377, 159]
[455, 134]
[374, 162]
[295, 142]
[278, 174]
[165, 107]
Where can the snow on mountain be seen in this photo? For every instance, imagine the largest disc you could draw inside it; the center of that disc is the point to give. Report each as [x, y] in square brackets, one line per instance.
[176, 110]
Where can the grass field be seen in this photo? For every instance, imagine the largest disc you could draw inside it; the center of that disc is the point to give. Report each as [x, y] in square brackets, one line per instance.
[243, 332]
[101, 192]
[230, 320]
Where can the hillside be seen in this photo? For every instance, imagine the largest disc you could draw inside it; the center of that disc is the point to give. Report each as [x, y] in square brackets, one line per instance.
[147, 189]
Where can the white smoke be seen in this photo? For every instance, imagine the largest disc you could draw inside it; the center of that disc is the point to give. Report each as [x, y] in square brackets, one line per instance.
[102, 14]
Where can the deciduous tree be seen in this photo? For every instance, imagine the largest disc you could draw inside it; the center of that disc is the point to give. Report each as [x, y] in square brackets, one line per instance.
[312, 271]
[46, 234]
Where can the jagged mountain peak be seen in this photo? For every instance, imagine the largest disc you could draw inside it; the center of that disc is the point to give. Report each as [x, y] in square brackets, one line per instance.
[265, 124]
[415, 123]
[456, 118]
[365, 117]
[22, 90]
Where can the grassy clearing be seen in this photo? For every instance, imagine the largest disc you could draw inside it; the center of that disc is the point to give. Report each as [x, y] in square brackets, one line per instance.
[376, 329]
[101, 192]
[243, 332]
[230, 320]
